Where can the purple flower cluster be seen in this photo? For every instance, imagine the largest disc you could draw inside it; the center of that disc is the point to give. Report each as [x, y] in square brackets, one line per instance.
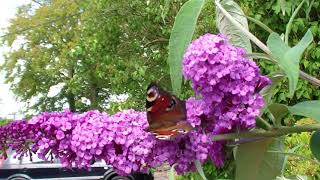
[16, 136]
[78, 140]
[227, 81]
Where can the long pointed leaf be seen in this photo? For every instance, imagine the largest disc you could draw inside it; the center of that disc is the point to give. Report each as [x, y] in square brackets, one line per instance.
[180, 37]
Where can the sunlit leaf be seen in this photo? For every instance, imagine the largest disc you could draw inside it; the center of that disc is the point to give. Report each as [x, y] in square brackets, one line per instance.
[180, 37]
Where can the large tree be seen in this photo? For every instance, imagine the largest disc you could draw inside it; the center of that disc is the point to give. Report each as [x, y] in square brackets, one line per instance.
[96, 48]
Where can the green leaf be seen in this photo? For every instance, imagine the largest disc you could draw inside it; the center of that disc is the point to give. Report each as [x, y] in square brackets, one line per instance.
[277, 46]
[290, 61]
[254, 162]
[236, 36]
[180, 37]
[288, 58]
[315, 144]
[200, 169]
[307, 109]
[278, 111]
[272, 163]
[172, 173]
[249, 158]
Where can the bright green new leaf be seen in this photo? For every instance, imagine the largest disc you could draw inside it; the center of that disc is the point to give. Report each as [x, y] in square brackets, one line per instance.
[315, 144]
[180, 37]
[236, 36]
[307, 109]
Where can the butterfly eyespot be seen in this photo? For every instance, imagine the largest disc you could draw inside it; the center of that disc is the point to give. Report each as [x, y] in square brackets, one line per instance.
[151, 95]
[171, 105]
[163, 137]
[181, 131]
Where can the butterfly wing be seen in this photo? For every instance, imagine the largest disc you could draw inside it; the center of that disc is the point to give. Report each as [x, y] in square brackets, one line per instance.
[166, 113]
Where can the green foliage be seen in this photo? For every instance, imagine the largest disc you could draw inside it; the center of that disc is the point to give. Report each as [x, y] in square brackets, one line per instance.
[305, 18]
[211, 172]
[296, 164]
[4, 122]
[180, 38]
[97, 48]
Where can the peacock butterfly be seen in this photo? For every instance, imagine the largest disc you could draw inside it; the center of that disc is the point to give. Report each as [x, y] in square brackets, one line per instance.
[166, 113]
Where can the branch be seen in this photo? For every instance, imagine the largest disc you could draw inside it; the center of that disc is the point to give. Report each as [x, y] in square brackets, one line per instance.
[309, 78]
[260, 44]
[281, 131]
[155, 41]
[37, 2]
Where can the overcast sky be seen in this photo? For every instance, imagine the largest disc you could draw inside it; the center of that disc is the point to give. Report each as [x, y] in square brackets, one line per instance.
[8, 105]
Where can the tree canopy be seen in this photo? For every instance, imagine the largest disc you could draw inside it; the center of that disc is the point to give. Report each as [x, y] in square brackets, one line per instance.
[96, 49]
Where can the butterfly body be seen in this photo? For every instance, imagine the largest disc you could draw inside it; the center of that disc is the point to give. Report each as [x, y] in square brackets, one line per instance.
[166, 113]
